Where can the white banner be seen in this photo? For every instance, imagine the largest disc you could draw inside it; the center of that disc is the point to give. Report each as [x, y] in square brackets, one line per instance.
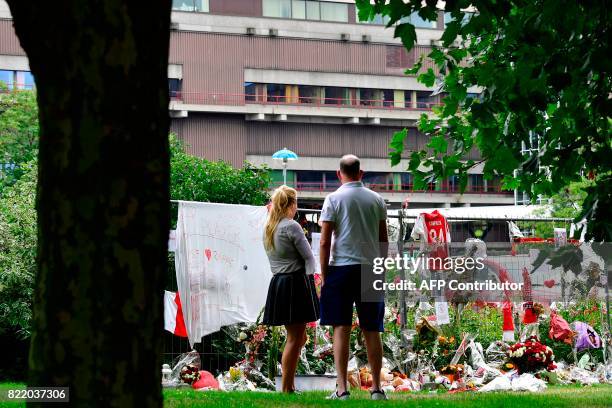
[222, 270]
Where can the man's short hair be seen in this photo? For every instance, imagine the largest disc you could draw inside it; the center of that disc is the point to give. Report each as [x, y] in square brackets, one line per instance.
[349, 165]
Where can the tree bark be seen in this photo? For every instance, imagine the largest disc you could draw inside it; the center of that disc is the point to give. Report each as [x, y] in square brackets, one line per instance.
[103, 203]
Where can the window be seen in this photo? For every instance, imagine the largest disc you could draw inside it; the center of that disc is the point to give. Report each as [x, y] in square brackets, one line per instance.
[378, 180]
[452, 184]
[494, 185]
[334, 12]
[418, 21]
[406, 180]
[424, 99]
[367, 97]
[335, 95]
[476, 182]
[308, 94]
[190, 5]
[16, 79]
[250, 91]
[313, 11]
[276, 93]
[277, 8]
[378, 19]
[466, 18]
[331, 180]
[175, 86]
[388, 97]
[408, 99]
[7, 79]
[298, 9]
[309, 180]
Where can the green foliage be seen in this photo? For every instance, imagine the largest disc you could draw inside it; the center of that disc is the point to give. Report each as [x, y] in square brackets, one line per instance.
[192, 179]
[567, 203]
[588, 312]
[196, 179]
[542, 118]
[18, 237]
[18, 134]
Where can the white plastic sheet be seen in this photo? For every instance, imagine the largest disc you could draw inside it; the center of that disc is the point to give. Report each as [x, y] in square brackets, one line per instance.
[222, 269]
[527, 382]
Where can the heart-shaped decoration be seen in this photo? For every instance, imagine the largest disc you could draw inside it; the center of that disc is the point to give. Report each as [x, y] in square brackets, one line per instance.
[208, 253]
[549, 283]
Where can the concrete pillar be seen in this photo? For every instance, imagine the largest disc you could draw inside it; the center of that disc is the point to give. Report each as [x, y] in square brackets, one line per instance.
[413, 99]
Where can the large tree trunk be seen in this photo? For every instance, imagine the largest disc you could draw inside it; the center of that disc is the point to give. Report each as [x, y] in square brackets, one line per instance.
[101, 74]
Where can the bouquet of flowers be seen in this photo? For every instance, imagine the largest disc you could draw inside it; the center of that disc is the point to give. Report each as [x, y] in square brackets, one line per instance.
[190, 373]
[452, 371]
[531, 356]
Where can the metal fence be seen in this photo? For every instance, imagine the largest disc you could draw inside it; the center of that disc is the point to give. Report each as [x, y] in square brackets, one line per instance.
[494, 233]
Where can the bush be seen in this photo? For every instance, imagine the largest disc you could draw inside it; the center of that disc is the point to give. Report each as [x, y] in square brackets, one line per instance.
[196, 179]
[19, 130]
[18, 253]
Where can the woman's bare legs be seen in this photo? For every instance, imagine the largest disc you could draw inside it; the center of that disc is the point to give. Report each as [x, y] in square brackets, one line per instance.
[296, 338]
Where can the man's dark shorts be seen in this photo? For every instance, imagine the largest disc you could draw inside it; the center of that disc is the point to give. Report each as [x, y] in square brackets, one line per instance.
[341, 290]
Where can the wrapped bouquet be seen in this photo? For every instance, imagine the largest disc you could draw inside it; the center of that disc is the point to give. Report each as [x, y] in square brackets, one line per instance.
[531, 356]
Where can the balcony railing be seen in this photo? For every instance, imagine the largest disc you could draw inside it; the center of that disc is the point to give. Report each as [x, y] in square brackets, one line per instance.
[218, 98]
[396, 188]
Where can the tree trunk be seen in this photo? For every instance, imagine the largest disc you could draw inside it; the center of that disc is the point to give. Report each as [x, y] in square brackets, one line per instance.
[103, 204]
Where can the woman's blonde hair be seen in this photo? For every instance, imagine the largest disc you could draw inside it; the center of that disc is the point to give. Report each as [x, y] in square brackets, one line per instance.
[282, 198]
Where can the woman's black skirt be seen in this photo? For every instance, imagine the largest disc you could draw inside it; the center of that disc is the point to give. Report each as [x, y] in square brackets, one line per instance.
[292, 298]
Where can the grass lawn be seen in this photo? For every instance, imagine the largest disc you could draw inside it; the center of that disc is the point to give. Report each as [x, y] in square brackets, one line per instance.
[554, 397]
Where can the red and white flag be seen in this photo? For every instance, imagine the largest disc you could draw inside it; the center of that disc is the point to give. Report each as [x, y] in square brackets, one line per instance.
[173, 314]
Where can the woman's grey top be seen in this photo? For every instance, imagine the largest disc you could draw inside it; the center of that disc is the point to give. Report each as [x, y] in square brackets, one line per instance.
[291, 251]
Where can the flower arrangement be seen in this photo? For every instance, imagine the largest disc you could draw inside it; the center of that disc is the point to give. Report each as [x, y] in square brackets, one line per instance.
[531, 356]
[190, 374]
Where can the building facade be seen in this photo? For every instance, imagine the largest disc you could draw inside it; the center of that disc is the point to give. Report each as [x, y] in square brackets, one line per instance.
[250, 77]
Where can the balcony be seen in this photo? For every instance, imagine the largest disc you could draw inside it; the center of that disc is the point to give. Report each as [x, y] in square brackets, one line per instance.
[229, 99]
[279, 107]
[397, 188]
[395, 193]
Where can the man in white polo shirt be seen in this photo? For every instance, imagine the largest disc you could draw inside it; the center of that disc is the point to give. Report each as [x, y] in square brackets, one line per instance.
[356, 218]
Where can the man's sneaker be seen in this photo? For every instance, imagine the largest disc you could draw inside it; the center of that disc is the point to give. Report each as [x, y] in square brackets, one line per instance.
[378, 395]
[344, 396]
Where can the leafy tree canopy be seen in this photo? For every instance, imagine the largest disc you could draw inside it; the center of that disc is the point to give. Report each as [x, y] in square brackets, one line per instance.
[542, 119]
[195, 179]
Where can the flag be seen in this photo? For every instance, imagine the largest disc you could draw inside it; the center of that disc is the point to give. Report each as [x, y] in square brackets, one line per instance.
[173, 314]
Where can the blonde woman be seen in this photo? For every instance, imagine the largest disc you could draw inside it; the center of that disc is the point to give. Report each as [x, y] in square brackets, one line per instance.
[292, 300]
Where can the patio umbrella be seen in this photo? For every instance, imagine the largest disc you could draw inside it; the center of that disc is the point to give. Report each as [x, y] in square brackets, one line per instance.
[285, 155]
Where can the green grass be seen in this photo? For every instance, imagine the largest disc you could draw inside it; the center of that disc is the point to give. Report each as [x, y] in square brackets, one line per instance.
[554, 397]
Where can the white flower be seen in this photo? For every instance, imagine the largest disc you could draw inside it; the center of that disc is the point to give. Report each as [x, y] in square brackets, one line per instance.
[242, 336]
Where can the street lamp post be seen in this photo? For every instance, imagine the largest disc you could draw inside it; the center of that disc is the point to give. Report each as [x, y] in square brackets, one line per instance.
[285, 155]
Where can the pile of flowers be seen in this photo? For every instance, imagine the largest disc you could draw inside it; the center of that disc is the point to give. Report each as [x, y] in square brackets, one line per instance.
[531, 356]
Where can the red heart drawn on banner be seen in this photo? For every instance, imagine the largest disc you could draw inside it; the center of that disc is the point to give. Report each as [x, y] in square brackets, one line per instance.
[208, 253]
[549, 283]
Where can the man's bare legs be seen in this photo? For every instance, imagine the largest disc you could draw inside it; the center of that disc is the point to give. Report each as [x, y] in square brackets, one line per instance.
[342, 335]
[375, 354]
